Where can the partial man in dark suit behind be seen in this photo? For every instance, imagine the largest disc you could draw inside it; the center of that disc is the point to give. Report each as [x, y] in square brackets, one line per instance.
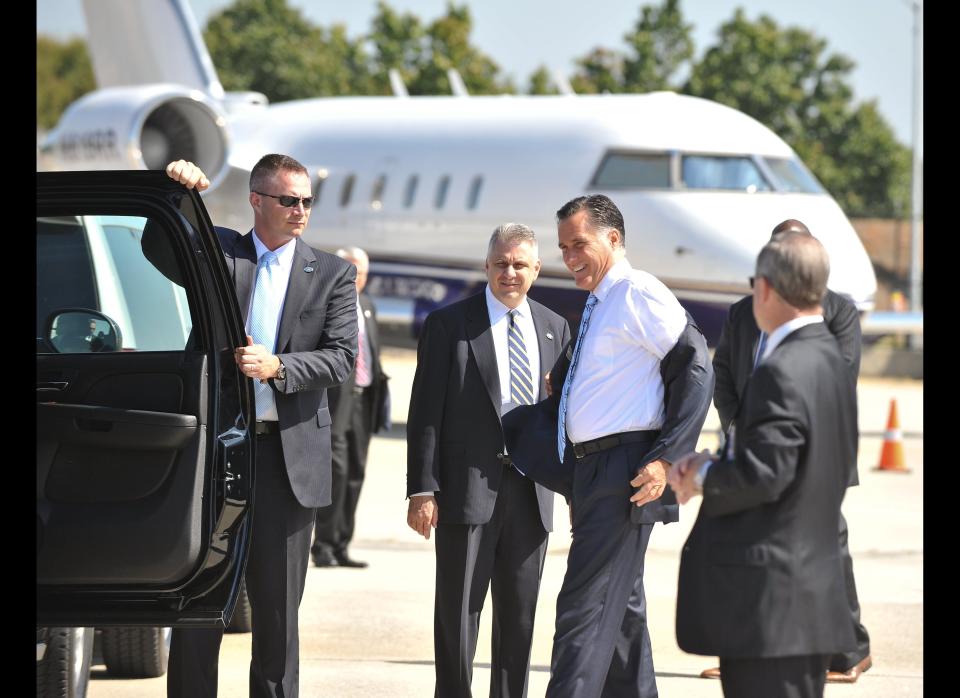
[357, 407]
[636, 388]
[761, 581]
[733, 363]
[477, 360]
[300, 310]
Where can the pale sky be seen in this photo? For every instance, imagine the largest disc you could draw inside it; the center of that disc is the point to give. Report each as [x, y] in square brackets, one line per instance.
[521, 34]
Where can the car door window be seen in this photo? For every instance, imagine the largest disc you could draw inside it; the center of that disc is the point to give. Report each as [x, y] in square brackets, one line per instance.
[96, 262]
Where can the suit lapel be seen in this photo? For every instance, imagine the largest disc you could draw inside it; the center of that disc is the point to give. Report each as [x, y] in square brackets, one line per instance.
[245, 267]
[300, 282]
[481, 343]
[547, 341]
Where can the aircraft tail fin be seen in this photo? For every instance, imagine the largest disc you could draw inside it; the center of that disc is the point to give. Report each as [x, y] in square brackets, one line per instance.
[139, 42]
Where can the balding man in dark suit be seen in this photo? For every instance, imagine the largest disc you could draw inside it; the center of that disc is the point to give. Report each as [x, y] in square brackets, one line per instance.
[761, 581]
[733, 362]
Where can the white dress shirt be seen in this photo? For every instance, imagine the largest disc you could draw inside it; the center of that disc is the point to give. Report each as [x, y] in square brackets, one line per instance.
[499, 327]
[773, 341]
[617, 385]
[278, 293]
[790, 326]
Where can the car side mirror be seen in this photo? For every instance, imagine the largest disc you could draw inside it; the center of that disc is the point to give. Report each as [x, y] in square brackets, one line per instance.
[82, 331]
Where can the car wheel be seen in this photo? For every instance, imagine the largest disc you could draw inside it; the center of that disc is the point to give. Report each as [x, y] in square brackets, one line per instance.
[64, 670]
[136, 652]
[242, 621]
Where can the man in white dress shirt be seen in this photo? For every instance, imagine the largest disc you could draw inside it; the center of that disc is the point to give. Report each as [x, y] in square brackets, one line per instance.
[634, 396]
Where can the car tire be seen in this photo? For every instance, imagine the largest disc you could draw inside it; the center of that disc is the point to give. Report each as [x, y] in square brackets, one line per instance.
[136, 652]
[242, 621]
[64, 671]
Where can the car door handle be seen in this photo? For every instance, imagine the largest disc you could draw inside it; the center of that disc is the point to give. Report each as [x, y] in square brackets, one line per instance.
[52, 386]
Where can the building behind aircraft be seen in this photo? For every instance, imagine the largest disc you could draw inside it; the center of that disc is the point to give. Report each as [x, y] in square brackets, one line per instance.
[420, 182]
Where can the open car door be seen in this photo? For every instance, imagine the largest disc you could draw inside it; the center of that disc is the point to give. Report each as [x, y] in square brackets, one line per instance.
[144, 458]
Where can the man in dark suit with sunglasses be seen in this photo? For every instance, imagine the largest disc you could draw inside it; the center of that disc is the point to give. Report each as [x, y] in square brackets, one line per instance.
[300, 310]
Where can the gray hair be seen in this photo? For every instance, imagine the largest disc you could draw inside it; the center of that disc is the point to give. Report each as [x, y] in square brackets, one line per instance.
[512, 234]
[352, 253]
[797, 266]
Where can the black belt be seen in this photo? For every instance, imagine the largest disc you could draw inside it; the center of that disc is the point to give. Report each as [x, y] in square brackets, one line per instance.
[587, 448]
[360, 389]
[505, 459]
[265, 428]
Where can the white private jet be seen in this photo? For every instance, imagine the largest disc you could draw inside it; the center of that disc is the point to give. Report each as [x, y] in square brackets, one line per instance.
[421, 182]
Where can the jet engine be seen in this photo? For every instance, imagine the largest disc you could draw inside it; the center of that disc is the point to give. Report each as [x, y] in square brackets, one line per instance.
[139, 128]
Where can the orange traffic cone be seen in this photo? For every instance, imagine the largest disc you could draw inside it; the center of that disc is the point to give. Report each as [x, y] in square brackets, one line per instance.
[891, 456]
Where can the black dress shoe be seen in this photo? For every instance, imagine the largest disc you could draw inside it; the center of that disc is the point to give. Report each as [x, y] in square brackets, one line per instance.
[323, 558]
[345, 561]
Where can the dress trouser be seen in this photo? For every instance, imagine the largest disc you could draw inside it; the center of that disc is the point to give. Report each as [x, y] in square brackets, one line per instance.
[601, 647]
[774, 677]
[276, 575]
[349, 446]
[505, 554]
[846, 660]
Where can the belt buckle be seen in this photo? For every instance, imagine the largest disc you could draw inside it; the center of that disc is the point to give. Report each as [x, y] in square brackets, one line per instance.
[579, 451]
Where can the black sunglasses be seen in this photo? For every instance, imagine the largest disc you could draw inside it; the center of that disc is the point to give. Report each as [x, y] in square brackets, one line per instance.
[751, 282]
[289, 201]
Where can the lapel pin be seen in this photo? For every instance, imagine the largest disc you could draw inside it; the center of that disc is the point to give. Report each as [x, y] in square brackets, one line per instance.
[569, 354]
[308, 269]
[549, 335]
[366, 313]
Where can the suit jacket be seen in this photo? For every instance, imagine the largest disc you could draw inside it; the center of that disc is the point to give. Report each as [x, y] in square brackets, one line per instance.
[316, 341]
[454, 431]
[734, 356]
[341, 397]
[687, 377]
[761, 573]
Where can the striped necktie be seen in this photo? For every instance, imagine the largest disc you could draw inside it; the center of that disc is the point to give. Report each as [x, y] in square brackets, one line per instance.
[760, 347]
[521, 382]
[562, 420]
[263, 321]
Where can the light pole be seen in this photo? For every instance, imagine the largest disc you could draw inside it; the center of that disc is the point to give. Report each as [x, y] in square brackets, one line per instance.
[915, 203]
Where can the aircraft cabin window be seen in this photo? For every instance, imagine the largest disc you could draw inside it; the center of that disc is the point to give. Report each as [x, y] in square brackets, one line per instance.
[442, 186]
[318, 188]
[791, 175]
[411, 192]
[347, 191]
[722, 172]
[376, 195]
[474, 196]
[633, 171]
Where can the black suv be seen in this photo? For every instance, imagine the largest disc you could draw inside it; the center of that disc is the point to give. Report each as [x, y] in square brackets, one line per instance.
[144, 460]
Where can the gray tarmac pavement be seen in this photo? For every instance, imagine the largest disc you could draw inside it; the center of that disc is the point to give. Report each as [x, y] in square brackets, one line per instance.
[369, 633]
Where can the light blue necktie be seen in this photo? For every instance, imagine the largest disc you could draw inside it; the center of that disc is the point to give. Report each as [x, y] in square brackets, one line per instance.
[263, 321]
[521, 384]
[760, 346]
[562, 421]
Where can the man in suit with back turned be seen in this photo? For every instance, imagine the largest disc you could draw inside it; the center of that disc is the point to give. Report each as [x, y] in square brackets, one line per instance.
[761, 581]
[301, 318]
[478, 359]
[733, 363]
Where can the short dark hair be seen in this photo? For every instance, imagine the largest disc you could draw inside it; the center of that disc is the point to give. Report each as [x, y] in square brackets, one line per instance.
[271, 164]
[602, 213]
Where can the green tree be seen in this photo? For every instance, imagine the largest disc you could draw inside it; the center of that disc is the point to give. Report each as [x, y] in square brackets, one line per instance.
[64, 74]
[541, 82]
[785, 79]
[424, 54]
[658, 46]
[662, 44]
[269, 47]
